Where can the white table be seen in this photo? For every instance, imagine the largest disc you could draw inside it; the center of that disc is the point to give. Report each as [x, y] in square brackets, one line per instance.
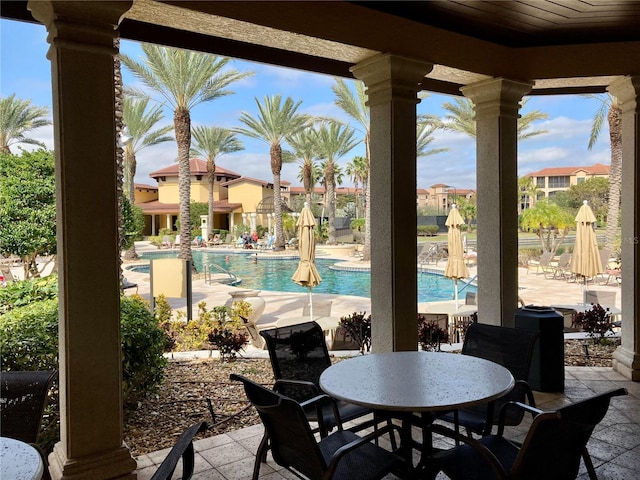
[452, 311]
[582, 307]
[19, 460]
[407, 382]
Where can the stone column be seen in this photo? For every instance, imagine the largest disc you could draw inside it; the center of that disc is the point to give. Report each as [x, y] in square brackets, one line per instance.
[392, 85]
[81, 35]
[496, 104]
[626, 358]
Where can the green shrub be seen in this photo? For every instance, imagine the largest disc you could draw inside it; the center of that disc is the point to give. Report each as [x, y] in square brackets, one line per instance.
[19, 294]
[428, 230]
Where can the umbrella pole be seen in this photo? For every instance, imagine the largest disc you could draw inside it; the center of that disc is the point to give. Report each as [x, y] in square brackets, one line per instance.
[456, 292]
[310, 305]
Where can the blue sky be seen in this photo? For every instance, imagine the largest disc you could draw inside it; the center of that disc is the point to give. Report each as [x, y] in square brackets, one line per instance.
[25, 71]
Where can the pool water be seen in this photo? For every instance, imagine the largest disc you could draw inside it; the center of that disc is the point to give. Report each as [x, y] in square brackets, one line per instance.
[275, 275]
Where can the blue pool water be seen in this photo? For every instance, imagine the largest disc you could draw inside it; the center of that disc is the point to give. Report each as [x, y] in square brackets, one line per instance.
[275, 275]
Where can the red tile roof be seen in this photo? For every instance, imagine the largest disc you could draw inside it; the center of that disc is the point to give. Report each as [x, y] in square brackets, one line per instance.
[197, 167]
[156, 207]
[597, 169]
[144, 186]
[248, 180]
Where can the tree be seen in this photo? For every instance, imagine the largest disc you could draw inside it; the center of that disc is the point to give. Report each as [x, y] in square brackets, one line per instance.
[427, 124]
[211, 143]
[359, 174]
[527, 193]
[462, 118]
[27, 207]
[468, 209]
[132, 224]
[184, 79]
[354, 104]
[550, 222]
[610, 107]
[275, 122]
[304, 144]
[17, 117]
[334, 141]
[140, 120]
[595, 190]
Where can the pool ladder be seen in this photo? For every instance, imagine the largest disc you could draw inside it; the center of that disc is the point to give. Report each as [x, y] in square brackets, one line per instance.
[211, 269]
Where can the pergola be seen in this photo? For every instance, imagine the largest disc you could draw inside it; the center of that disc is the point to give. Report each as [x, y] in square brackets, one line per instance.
[491, 52]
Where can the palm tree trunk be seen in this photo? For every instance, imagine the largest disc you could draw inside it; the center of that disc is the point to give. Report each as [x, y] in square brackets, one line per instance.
[366, 248]
[211, 170]
[331, 199]
[276, 168]
[615, 176]
[182, 125]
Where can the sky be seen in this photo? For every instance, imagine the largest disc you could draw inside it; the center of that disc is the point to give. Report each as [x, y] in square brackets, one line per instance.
[26, 72]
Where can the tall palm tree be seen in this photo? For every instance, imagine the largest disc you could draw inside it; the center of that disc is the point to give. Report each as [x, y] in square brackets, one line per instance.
[354, 104]
[427, 124]
[17, 117]
[184, 79]
[304, 145]
[140, 120]
[274, 123]
[611, 109]
[211, 143]
[462, 118]
[334, 141]
[359, 174]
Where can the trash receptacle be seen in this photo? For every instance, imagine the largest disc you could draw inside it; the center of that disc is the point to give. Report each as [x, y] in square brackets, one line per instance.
[547, 363]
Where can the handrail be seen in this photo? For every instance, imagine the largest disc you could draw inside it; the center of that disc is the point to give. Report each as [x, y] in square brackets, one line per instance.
[214, 266]
[466, 284]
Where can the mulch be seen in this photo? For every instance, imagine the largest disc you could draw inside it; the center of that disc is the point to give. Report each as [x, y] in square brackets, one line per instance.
[183, 398]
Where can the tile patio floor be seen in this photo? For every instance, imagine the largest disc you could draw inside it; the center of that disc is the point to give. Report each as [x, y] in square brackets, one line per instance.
[614, 446]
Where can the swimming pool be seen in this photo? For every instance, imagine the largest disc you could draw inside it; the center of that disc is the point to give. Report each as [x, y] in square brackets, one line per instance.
[274, 274]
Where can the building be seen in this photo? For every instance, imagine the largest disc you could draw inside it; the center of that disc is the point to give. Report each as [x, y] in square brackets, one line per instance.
[439, 197]
[549, 181]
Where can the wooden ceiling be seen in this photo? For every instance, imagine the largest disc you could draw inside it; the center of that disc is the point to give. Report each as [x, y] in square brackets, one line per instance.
[564, 46]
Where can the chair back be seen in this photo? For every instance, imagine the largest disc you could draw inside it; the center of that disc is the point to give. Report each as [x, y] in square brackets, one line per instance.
[556, 440]
[605, 254]
[471, 298]
[545, 259]
[297, 352]
[606, 299]
[182, 449]
[291, 439]
[321, 308]
[513, 349]
[22, 402]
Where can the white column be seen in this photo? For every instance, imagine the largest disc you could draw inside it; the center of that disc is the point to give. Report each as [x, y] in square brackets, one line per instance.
[168, 220]
[252, 215]
[496, 104]
[392, 85]
[81, 35]
[626, 358]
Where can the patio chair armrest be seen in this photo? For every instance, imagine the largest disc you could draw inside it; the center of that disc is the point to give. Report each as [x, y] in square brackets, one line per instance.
[342, 451]
[317, 401]
[491, 459]
[524, 386]
[523, 406]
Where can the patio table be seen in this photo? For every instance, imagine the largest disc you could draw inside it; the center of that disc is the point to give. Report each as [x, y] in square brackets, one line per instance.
[19, 460]
[416, 382]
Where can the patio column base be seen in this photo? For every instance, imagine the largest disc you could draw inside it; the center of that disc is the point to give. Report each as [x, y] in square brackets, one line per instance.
[627, 363]
[114, 464]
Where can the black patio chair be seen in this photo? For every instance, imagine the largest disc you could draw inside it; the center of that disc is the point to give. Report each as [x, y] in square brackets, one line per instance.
[298, 356]
[182, 449]
[512, 348]
[340, 455]
[23, 397]
[551, 450]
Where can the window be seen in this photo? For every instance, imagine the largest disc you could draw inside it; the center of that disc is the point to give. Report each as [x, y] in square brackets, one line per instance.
[559, 182]
[580, 180]
[540, 182]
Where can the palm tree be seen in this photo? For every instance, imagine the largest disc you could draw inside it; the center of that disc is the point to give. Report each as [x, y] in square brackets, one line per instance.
[334, 141]
[427, 124]
[611, 108]
[358, 172]
[551, 223]
[140, 121]
[527, 191]
[17, 117]
[184, 79]
[462, 118]
[304, 145]
[275, 122]
[211, 143]
[355, 106]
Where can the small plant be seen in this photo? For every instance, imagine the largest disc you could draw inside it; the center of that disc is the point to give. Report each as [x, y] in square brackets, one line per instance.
[228, 334]
[357, 327]
[596, 321]
[430, 335]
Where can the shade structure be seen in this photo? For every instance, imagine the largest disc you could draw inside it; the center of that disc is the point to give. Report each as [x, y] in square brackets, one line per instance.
[456, 268]
[585, 261]
[306, 274]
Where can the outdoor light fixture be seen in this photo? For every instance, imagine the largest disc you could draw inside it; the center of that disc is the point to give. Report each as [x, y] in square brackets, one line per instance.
[125, 137]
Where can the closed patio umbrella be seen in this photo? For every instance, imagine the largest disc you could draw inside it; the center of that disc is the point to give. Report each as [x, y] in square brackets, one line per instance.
[456, 267]
[585, 261]
[306, 274]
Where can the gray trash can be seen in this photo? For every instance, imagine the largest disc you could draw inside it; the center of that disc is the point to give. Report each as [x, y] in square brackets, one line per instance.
[547, 364]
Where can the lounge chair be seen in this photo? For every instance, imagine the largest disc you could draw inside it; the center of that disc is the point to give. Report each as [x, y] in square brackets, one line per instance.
[542, 264]
[176, 242]
[166, 241]
[292, 244]
[126, 284]
[562, 269]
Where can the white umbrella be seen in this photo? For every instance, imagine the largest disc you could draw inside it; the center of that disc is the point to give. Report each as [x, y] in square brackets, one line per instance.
[456, 267]
[585, 260]
[306, 274]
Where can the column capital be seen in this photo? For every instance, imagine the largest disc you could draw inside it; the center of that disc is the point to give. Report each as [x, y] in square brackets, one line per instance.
[497, 91]
[88, 26]
[387, 75]
[625, 89]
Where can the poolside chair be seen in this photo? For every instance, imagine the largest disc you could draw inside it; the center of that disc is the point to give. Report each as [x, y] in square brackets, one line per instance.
[321, 308]
[604, 298]
[182, 450]
[176, 242]
[298, 355]
[562, 269]
[126, 284]
[166, 241]
[513, 349]
[341, 455]
[542, 264]
[552, 449]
